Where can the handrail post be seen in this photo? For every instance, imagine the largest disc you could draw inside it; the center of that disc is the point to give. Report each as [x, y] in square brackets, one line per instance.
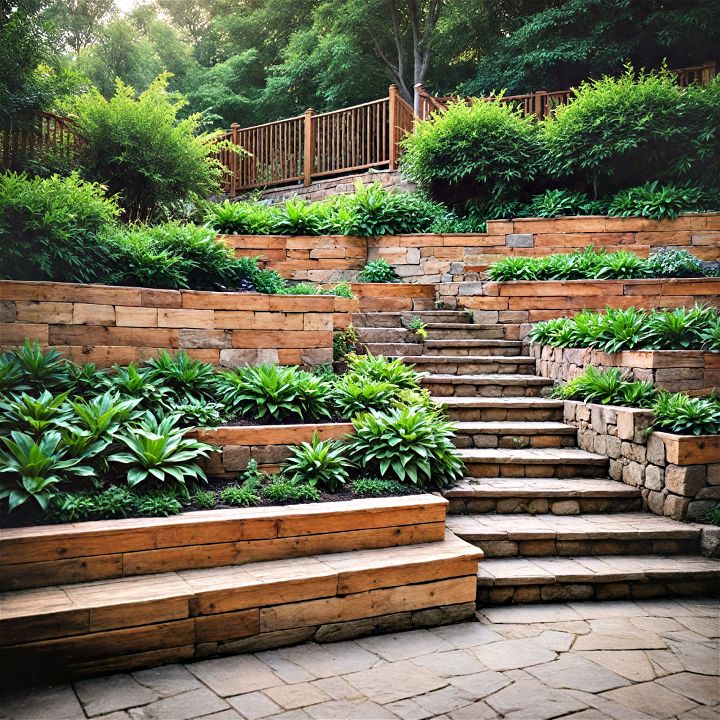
[419, 102]
[309, 146]
[392, 122]
[234, 164]
[708, 72]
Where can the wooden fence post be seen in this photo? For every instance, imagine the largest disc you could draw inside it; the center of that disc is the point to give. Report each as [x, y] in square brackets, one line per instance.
[309, 146]
[418, 103]
[708, 72]
[234, 160]
[392, 122]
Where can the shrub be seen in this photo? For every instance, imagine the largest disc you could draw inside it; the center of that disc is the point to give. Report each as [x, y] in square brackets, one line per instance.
[54, 228]
[484, 151]
[377, 271]
[241, 218]
[183, 378]
[407, 444]
[655, 201]
[282, 490]
[607, 387]
[137, 146]
[553, 203]
[672, 262]
[378, 368]
[687, 415]
[239, 495]
[620, 132]
[321, 463]
[345, 342]
[34, 415]
[299, 217]
[269, 392]
[355, 394]
[204, 499]
[157, 504]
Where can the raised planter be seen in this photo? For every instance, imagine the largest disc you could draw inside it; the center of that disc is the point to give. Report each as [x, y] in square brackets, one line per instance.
[108, 325]
[268, 445]
[694, 371]
[678, 475]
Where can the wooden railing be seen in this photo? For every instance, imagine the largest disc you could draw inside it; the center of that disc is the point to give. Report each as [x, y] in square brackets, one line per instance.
[316, 145]
[36, 132]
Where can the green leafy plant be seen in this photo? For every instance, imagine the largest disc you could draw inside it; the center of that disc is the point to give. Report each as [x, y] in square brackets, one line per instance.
[680, 328]
[407, 444]
[376, 487]
[345, 342]
[184, 378]
[686, 415]
[378, 368]
[655, 201]
[299, 217]
[321, 463]
[157, 504]
[673, 262]
[712, 515]
[241, 218]
[607, 387]
[34, 415]
[11, 375]
[417, 326]
[282, 490]
[377, 271]
[354, 394]
[239, 495]
[159, 452]
[554, 203]
[102, 415]
[71, 507]
[41, 370]
[204, 499]
[114, 501]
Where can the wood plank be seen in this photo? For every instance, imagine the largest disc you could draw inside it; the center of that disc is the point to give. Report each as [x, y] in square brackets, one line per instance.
[54, 572]
[227, 626]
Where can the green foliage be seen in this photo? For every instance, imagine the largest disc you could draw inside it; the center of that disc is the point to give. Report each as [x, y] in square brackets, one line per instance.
[159, 452]
[616, 329]
[484, 151]
[354, 394]
[343, 290]
[712, 516]
[679, 413]
[204, 499]
[183, 378]
[34, 415]
[299, 217]
[407, 444]
[416, 325]
[378, 368]
[239, 495]
[56, 226]
[282, 490]
[273, 393]
[590, 264]
[607, 387]
[137, 146]
[377, 271]
[345, 342]
[321, 463]
[376, 487]
[553, 203]
[241, 218]
[157, 504]
[655, 201]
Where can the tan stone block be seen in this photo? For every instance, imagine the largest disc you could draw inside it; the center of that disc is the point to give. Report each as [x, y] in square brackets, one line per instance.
[182, 318]
[51, 313]
[16, 333]
[91, 314]
[192, 338]
[135, 316]
[278, 321]
[8, 311]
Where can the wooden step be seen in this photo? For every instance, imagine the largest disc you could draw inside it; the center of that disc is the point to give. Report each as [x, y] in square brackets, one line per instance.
[533, 462]
[570, 535]
[72, 630]
[473, 347]
[514, 434]
[401, 319]
[486, 385]
[604, 577]
[77, 552]
[472, 364]
[501, 409]
[463, 331]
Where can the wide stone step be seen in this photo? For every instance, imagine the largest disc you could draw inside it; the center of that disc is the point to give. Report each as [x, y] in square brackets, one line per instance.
[533, 462]
[473, 347]
[501, 409]
[472, 364]
[570, 535]
[514, 434]
[88, 628]
[486, 385]
[385, 335]
[401, 319]
[559, 496]
[464, 331]
[393, 349]
[604, 577]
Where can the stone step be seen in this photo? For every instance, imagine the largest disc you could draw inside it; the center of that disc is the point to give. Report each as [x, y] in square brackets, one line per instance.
[389, 349]
[514, 434]
[501, 409]
[464, 331]
[559, 496]
[401, 319]
[473, 347]
[523, 535]
[603, 577]
[533, 462]
[385, 335]
[87, 628]
[486, 385]
[472, 364]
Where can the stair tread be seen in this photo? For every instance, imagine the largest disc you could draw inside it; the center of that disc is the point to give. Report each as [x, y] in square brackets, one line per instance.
[459, 326]
[104, 594]
[611, 526]
[488, 379]
[540, 487]
[473, 342]
[536, 456]
[514, 427]
[499, 402]
[448, 359]
[596, 568]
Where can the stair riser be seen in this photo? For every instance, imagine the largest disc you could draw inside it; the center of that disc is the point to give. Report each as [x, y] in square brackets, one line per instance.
[479, 333]
[682, 586]
[475, 368]
[493, 350]
[385, 335]
[583, 547]
[476, 469]
[388, 349]
[557, 505]
[398, 320]
[495, 390]
[504, 414]
[512, 442]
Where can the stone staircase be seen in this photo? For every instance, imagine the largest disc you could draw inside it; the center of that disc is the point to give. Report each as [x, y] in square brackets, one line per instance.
[552, 525]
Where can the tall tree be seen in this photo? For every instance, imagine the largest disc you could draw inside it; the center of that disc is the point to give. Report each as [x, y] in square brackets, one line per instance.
[78, 23]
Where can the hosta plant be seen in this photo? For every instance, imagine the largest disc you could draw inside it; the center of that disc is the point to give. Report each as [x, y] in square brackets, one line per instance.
[377, 271]
[353, 395]
[34, 415]
[182, 376]
[11, 375]
[322, 463]
[41, 370]
[408, 444]
[687, 415]
[102, 415]
[380, 369]
[159, 453]
[36, 468]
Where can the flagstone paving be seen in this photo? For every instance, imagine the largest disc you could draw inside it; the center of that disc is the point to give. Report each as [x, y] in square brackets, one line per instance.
[586, 661]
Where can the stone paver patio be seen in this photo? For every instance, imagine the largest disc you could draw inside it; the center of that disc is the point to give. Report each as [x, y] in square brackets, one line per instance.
[589, 661]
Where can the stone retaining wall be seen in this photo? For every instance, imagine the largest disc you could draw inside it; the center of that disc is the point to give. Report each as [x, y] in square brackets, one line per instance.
[109, 325]
[693, 371]
[679, 484]
[517, 305]
[454, 258]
